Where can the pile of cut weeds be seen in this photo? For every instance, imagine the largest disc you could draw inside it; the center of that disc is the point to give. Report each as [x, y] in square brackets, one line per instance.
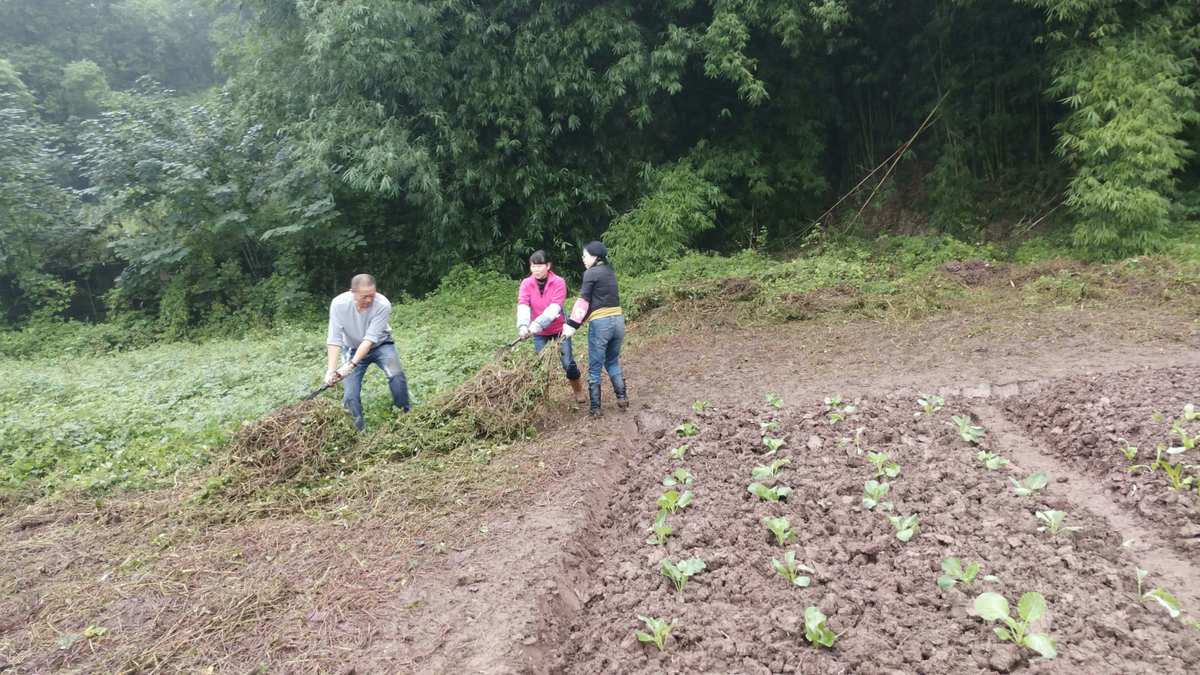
[309, 443]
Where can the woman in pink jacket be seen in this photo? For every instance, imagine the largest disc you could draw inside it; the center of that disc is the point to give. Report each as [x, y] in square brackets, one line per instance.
[540, 315]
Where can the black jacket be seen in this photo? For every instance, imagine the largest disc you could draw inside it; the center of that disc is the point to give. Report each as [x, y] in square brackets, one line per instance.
[599, 290]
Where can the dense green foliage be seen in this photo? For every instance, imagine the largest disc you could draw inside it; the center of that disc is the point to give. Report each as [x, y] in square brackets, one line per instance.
[196, 165]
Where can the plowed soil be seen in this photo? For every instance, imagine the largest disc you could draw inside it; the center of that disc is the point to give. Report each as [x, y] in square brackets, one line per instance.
[1086, 420]
[880, 593]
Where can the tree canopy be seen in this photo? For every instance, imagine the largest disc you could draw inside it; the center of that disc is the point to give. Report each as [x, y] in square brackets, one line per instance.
[182, 158]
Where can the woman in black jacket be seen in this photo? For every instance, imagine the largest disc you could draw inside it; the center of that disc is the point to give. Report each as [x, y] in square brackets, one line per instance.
[600, 305]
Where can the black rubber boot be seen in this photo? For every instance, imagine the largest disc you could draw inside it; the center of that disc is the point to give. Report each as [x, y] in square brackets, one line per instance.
[594, 392]
[618, 384]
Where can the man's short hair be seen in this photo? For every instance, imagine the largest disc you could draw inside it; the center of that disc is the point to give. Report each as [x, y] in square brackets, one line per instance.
[362, 281]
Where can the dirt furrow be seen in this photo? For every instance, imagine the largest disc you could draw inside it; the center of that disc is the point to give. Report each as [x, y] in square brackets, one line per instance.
[1152, 552]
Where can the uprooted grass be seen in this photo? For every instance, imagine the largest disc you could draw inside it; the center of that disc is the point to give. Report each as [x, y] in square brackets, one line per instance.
[298, 453]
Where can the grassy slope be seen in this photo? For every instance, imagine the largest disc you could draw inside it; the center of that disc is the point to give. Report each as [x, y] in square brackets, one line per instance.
[141, 418]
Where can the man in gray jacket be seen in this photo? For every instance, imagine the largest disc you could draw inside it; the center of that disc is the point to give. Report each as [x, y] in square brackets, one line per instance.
[358, 327]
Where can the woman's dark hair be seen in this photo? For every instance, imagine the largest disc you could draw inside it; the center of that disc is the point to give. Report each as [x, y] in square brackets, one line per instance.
[539, 258]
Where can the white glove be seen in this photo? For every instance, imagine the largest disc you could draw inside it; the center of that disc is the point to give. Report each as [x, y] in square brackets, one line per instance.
[331, 378]
[345, 370]
[523, 332]
[568, 330]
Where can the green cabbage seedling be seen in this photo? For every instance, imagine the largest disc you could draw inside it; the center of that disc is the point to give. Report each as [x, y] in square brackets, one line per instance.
[1030, 485]
[687, 430]
[1130, 451]
[678, 453]
[992, 607]
[873, 494]
[930, 403]
[679, 574]
[906, 526]
[791, 570]
[678, 477]
[661, 530]
[781, 527]
[770, 494]
[883, 464]
[773, 444]
[955, 573]
[700, 406]
[991, 461]
[1052, 522]
[1175, 477]
[966, 430]
[774, 401]
[815, 629]
[763, 472]
[1167, 601]
[769, 426]
[671, 501]
[659, 630]
[837, 409]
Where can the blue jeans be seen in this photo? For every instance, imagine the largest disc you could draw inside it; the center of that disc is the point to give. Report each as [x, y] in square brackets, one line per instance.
[604, 347]
[564, 350]
[385, 357]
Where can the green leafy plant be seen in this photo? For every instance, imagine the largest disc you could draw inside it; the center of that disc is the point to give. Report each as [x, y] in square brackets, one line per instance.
[906, 526]
[679, 452]
[991, 461]
[770, 494]
[873, 493]
[771, 426]
[678, 477]
[1190, 414]
[955, 573]
[671, 501]
[773, 444]
[661, 530]
[700, 406]
[968, 431]
[816, 631]
[837, 409]
[763, 472]
[774, 401]
[1152, 467]
[883, 464]
[1130, 451]
[658, 630]
[781, 527]
[1174, 471]
[791, 570]
[930, 404]
[992, 607]
[1030, 485]
[1052, 522]
[1187, 441]
[1161, 596]
[687, 430]
[680, 573]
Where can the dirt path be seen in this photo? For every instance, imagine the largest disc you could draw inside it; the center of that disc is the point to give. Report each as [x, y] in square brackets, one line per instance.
[481, 611]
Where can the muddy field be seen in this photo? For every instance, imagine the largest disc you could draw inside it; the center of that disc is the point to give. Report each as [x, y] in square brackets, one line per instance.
[880, 594]
[534, 559]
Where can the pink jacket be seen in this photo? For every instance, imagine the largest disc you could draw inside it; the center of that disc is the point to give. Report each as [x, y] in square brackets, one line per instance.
[543, 310]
